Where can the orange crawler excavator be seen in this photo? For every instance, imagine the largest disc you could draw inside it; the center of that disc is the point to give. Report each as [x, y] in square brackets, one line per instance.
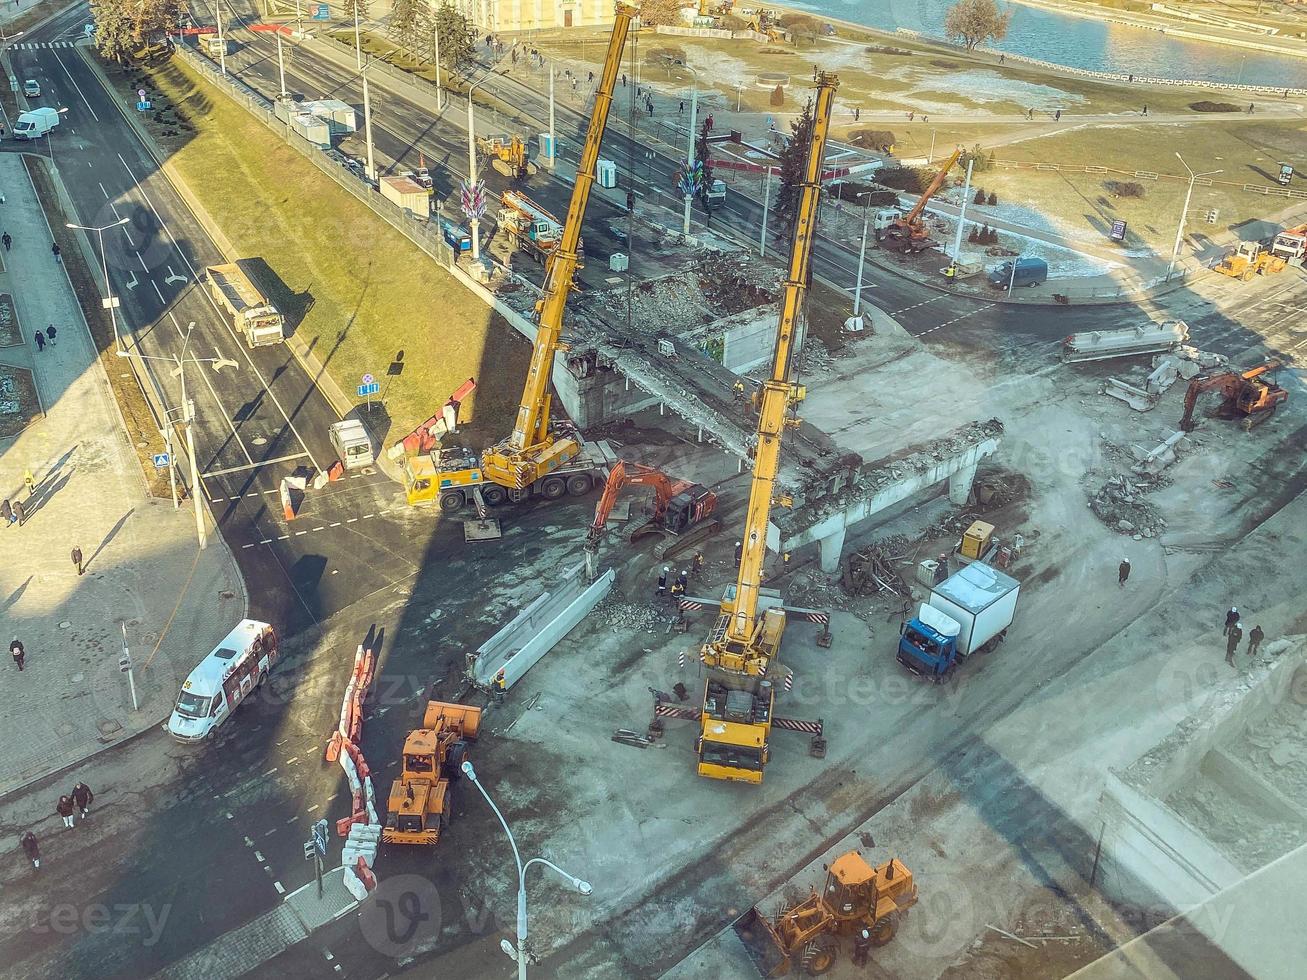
[681, 510]
[1248, 396]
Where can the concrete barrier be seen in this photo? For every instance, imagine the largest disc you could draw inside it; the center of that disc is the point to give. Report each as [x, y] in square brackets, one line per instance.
[502, 660]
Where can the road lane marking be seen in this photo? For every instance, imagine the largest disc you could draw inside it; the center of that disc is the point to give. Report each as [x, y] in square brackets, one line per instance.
[213, 304]
[103, 191]
[158, 291]
[277, 885]
[258, 856]
[213, 391]
[252, 465]
[142, 261]
[85, 102]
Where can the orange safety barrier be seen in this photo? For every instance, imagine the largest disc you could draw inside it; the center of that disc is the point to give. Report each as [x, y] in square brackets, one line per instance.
[364, 873]
[336, 471]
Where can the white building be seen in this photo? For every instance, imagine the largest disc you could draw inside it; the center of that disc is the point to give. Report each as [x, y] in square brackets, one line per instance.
[502, 16]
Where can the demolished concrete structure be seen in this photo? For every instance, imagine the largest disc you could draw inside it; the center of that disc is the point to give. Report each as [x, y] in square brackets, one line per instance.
[824, 514]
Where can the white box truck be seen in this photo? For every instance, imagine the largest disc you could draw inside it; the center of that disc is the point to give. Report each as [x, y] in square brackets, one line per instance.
[408, 194]
[970, 610]
[35, 123]
[253, 317]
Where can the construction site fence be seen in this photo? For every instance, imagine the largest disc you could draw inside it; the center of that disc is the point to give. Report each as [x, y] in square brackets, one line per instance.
[1090, 168]
[425, 234]
[1110, 75]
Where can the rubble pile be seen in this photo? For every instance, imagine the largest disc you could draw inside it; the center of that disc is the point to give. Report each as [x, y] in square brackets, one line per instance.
[874, 570]
[733, 282]
[622, 614]
[1120, 504]
[670, 304]
[814, 360]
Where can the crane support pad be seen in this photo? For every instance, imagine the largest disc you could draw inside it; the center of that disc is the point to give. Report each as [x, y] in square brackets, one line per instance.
[664, 710]
[799, 725]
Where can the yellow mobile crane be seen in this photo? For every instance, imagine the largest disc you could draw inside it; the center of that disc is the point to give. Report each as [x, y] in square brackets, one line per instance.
[736, 716]
[536, 458]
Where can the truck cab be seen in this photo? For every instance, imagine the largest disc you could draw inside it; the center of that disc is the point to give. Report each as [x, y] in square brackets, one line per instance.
[714, 196]
[733, 730]
[928, 644]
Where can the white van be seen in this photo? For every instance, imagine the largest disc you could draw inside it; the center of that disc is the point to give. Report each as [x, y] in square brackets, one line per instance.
[35, 123]
[223, 680]
[353, 447]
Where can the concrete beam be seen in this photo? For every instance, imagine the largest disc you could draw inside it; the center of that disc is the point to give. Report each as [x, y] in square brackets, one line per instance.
[827, 521]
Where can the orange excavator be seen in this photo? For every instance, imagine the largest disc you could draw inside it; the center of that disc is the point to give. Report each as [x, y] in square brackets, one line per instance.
[420, 803]
[681, 510]
[1248, 396]
[908, 233]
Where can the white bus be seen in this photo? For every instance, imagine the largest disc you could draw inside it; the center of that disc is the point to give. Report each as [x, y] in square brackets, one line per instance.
[222, 680]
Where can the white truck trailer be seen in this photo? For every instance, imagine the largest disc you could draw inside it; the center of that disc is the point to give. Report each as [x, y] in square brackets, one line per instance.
[970, 610]
[253, 316]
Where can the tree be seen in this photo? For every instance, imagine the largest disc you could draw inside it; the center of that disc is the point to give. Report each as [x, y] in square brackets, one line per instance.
[124, 27]
[457, 35]
[993, 199]
[979, 198]
[778, 96]
[973, 22]
[405, 17]
[793, 159]
[702, 153]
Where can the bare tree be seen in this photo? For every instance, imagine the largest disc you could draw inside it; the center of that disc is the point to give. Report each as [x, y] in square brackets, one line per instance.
[975, 21]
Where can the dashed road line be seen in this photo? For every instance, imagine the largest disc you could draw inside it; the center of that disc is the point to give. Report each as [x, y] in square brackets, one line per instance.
[277, 885]
[949, 323]
[258, 856]
[924, 302]
[292, 760]
[315, 806]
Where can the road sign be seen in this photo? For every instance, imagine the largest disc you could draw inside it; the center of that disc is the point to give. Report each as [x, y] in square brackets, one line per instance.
[161, 460]
[322, 13]
[368, 390]
[368, 379]
[141, 93]
[1118, 230]
[320, 836]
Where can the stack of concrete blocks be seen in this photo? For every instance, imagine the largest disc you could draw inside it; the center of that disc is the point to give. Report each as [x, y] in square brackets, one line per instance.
[362, 828]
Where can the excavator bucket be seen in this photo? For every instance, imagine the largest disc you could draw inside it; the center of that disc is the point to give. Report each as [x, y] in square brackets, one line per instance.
[762, 943]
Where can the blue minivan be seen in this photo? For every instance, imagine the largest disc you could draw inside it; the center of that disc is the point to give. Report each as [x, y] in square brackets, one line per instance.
[1029, 272]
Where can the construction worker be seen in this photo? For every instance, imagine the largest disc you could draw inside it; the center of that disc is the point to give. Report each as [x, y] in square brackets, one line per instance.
[1255, 640]
[682, 580]
[737, 390]
[501, 686]
[696, 568]
[662, 582]
[1232, 639]
[1123, 572]
[739, 553]
[941, 568]
[861, 947]
[1231, 618]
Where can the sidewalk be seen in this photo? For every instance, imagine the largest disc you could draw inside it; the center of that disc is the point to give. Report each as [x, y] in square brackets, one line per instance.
[144, 569]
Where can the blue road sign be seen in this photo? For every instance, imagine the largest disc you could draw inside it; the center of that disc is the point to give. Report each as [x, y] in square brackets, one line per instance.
[367, 391]
[161, 460]
[322, 13]
[320, 836]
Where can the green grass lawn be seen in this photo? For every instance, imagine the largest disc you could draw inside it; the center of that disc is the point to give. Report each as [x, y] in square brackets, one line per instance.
[366, 291]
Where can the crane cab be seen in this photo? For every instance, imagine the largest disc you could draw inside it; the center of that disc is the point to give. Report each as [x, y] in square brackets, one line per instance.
[688, 508]
[733, 729]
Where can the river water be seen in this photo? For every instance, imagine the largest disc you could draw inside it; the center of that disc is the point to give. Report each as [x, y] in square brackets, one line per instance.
[1079, 42]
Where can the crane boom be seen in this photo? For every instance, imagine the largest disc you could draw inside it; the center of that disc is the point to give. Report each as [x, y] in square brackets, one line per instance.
[738, 648]
[932, 189]
[532, 450]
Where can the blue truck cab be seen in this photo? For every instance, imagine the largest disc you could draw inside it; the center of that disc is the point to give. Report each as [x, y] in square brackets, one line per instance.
[970, 610]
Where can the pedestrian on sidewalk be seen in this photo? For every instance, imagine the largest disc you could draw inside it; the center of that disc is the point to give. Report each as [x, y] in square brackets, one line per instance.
[20, 512]
[50, 333]
[857, 112]
[1145, 110]
[65, 809]
[1001, 58]
[31, 483]
[77, 558]
[925, 119]
[1123, 572]
[18, 653]
[9, 242]
[54, 250]
[7, 512]
[40, 341]
[1030, 113]
[910, 115]
[1250, 108]
[1231, 618]
[1255, 640]
[83, 798]
[1232, 642]
[680, 108]
[1057, 116]
[33, 850]
[1132, 77]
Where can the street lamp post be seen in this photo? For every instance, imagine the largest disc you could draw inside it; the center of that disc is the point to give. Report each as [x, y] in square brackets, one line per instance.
[188, 417]
[222, 43]
[962, 214]
[766, 200]
[689, 154]
[435, 33]
[110, 301]
[472, 167]
[367, 117]
[862, 255]
[1179, 232]
[583, 887]
[281, 64]
[358, 43]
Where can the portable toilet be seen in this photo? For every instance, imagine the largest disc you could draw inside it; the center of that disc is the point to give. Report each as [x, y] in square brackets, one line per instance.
[607, 173]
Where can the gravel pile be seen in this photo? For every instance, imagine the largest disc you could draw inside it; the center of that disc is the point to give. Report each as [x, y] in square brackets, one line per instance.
[1120, 504]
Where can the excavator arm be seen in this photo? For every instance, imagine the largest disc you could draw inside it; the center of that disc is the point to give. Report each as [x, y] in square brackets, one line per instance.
[532, 450]
[622, 475]
[779, 396]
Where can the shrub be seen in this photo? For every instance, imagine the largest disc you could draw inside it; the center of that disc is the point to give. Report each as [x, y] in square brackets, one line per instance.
[1124, 188]
[993, 236]
[912, 179]
[974, 236]
[883, 49]
[980, 196]
[993, 199]
[778, 96]
[1206, 106]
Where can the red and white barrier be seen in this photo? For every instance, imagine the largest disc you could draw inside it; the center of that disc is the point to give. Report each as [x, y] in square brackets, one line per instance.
[362, 828]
